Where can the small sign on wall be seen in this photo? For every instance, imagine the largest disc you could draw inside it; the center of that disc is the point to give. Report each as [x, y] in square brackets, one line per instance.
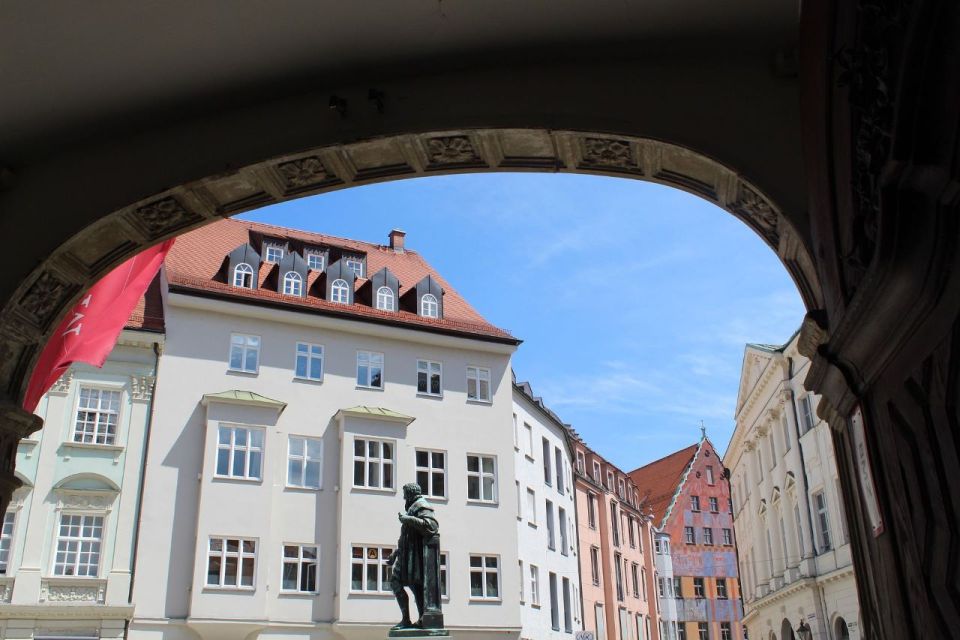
[861, 458]
[584, 635]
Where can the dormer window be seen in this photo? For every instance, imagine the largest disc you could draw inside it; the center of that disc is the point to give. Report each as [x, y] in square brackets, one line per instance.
[315, 261]
[355, 265]
[339, 291]
[274, 253]
[243, 276]
[429, 307]
[385, 299]
[292, 284]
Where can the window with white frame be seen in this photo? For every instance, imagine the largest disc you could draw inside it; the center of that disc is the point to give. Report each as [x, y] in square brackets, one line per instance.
[300, 566]
[339, 291]
[677, 592]
[432, 472]
[727, 536]
[558, 469]
[562, 523]
[239, 452]
[481, 478]
[631, 535]
[621, 488]
[429, 378]
[596, 472]
[292, 284]
[581, 463]
[516, 433]
[703, 631]
[567, 609]
[823, 520]
[386, 299]
[592, 510]
[370, 369]
[79, 538]
[315, 261]
[243, 276]
[369, 569]
[707, 535]
[714, 504]
[689, 535]
[484, 577]
[534, 585]
[274, 253]
[595, 564]
[547, 477]
[551, 531]
[725, 631]
[355, 265]
[554, 601]
[695, 503]
[806, 413]
[444, 575]
[309, 361]
[231, 562]
[373, 463]
[609, 480]
[710, 478]
[531, 507]
[699, 588]
[244, 352]
[478, 384]
[6, 539]
[429, 308]
[722, 588]
[98, 413]
[635, 579]
[529, 440]
[304, 462]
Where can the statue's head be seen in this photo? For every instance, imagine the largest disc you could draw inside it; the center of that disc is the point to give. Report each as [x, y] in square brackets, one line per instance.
[412, 491]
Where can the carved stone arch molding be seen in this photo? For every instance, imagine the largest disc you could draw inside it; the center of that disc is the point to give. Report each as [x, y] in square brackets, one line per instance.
[39, 303]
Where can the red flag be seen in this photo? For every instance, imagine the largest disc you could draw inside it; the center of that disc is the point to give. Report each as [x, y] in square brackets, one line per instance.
[90, 330]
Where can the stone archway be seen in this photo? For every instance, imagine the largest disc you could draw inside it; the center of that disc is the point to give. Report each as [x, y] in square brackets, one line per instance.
[841, 630]
[786, 630]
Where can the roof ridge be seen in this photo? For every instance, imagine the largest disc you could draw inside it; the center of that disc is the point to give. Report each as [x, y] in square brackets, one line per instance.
[287, 231]
[666, 456]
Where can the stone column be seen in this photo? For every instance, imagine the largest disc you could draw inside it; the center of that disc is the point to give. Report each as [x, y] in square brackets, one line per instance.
[15, 424]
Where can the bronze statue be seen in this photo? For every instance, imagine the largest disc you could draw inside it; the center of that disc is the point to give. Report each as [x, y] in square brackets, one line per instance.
[416, 564]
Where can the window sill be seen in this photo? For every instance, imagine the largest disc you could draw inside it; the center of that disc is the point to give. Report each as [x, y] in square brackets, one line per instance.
[363, 489]
[529, 457]
[430, 396]
[217, 589]
[93, 446]
[362, 387]
[236, 479]
[484, 600]
[291, 487]
[241, 372]
[308, 380]
[300, 594]
[371, 594]
[478, 401]
[484, 503]
[532, 525]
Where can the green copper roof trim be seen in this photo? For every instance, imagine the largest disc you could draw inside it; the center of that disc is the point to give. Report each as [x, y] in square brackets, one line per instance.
[236, 396]
[380, 413]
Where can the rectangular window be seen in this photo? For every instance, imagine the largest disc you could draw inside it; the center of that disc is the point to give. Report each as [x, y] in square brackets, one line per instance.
[695, 503]
[484, 577]
[689, 536]
[581, 463]
[432, 472]
[309, 365]
[428, 378]
[681, 631]
[78, 545]
[231, 563]
[531, 507]
[657, 546]
[725, 632]
[369, 571]
[727, 536]
[806, 413]
[595, 564]
[621, 489]
[481, 478]
[786, 433]
[823, 520]
[707, 535]
[534, 585]
[244, 352]
[624, 624]
[444, 575]
[722, 588]
[596, 472]
[478, 384]
[773, 450]
[609, 480]
[239, 452]
[274, 253]
[615, 524]
[714, 505]
[661, 588]
[564, 543]
[516, 433]
[703, 631]
[554, 602]
[601, 622]
[355, 265]
[618, 575]
[98, 412]
[551, 538]
[300, 566]
[676, 588]
[699, 591]
[529, 442]
[635, 579]
[547, 476]
[630, 533]
[710, 478]
[6, 539]
[372, 463]
[370, 369]
[592, 510]
[304, 462]
[567, 609]
[315, 261]
[558, 469]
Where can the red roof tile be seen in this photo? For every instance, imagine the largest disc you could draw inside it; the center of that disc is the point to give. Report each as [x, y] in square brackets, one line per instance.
[658, 481]
[148, 314]
[197, 257]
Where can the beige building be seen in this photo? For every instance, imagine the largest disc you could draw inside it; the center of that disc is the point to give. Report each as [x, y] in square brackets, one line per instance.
[793, 542]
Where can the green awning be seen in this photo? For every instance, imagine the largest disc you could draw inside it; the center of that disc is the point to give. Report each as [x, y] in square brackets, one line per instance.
[376, 413]
[248, 398]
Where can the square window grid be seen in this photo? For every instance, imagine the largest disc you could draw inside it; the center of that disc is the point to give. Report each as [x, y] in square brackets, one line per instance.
[478, 384]
[372, 463]
[6, 537]
[535, 584]
[274, 253]
[300, 566]
[239, 452]
[370, 369]
[315, 261]
[98, 412]
[304, 462]
[244, 353]
[309, 362]
[231, 563]
[429, 378]
[485, 577]
[481, 478]
[432, 472]
[369, 569]
[78, 545]
[356, 266]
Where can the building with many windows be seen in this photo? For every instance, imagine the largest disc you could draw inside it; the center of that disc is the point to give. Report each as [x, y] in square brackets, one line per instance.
[615, 550]
[68, 538]
[305, 380]
[546, 521]
[667, 590]
[795, 552]
[690, 498]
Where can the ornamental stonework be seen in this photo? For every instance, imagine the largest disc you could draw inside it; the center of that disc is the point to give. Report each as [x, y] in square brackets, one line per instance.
[452, 150]
[85, 501]
[163, 216]
[141, 387]
[44, 297]
[303, 172]
[93, 593]
[606, 152]
[62, 385]
[758, 212]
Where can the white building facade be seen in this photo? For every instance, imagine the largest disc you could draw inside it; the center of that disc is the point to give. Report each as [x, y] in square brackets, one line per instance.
[794, 548]
[668, 591]
[546, 522]
[285, 429]
[67, 544]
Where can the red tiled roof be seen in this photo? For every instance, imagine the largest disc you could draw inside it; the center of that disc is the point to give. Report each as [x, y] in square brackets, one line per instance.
[197, 257]
[148, 314]
[658, 480]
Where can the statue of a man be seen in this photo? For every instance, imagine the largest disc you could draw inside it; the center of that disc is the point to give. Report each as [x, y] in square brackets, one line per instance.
[416, 562]
[803, 630]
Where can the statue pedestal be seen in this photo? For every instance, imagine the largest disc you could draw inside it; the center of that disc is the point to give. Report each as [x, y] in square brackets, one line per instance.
[418, 633]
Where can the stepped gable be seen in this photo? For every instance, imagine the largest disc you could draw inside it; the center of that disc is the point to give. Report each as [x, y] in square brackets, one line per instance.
[658, 481]
[195, 265]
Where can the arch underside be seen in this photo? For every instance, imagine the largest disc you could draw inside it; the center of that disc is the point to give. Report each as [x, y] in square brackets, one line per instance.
[42, 299]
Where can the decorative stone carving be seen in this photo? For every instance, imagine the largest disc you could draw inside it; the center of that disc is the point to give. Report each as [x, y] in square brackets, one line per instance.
[85, 500]
[606, 152]
[73, 591]
[45, 296]
[757, 212]
[302, 172]
[452, 150]
[62, 385]
[6, 589]
[15, 424]
[163, 216]
[141, 387]
[812, 336]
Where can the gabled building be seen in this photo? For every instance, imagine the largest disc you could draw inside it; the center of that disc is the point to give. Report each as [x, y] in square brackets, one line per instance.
[689, 495]
[306, 379]
[795, 553]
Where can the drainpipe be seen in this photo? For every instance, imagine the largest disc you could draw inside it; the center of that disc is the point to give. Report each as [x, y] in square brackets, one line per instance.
[143, 471]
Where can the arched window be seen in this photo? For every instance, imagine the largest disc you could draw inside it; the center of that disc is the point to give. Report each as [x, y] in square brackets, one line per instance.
[339, 292]
[385, 298]
[243, 276]
[429, 307]
[293, 284]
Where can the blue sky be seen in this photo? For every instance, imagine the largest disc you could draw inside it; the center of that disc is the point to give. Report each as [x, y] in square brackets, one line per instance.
[634, 301]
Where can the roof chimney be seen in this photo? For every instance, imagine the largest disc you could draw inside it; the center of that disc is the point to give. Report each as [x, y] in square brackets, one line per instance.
[396, 240]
